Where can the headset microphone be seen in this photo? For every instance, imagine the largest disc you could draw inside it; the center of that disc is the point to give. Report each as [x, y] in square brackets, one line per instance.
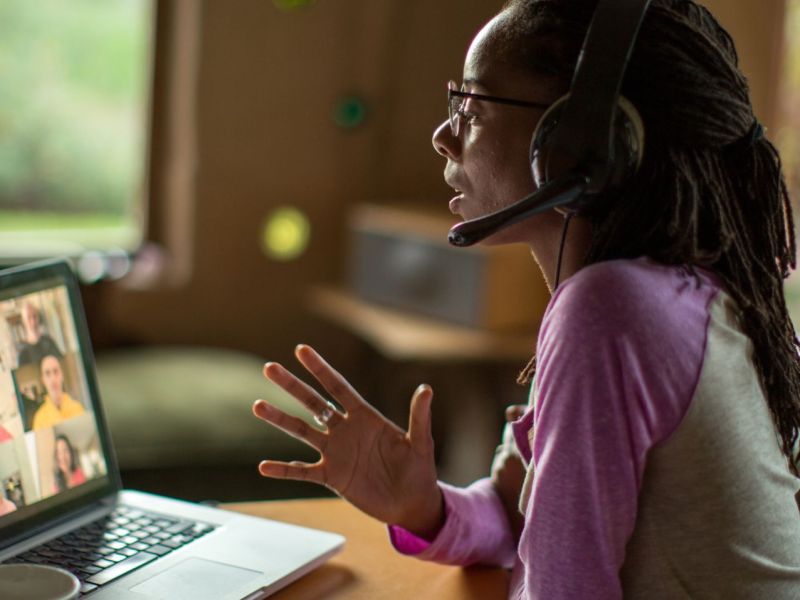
[559, 192]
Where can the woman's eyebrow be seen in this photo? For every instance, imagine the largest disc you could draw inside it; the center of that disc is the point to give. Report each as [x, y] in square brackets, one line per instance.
[473, 82]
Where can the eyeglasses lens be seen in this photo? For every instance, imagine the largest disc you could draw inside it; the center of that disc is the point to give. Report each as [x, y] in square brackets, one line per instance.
[454, 108]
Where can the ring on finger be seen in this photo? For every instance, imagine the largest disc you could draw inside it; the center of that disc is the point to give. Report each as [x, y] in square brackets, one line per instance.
[322, 419]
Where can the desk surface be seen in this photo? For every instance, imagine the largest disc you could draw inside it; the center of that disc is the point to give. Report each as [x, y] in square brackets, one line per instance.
[368, 568]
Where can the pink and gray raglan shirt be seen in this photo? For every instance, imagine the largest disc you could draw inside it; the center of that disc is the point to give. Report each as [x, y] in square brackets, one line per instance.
[654, 467]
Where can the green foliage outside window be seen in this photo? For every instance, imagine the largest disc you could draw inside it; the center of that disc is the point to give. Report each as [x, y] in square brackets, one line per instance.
[74, 85]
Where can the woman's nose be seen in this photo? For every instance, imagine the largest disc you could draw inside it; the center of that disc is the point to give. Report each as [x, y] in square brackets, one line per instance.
[445, 143]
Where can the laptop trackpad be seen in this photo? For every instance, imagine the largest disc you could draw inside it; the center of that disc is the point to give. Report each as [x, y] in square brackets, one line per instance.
[196, 578]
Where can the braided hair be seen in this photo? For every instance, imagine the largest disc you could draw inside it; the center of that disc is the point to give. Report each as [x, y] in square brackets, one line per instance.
[710, 192]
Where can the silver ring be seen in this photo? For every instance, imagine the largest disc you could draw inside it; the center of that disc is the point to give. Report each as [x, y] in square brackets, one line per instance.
[325, 416]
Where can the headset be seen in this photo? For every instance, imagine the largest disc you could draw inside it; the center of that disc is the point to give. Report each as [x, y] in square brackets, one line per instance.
[589, 141]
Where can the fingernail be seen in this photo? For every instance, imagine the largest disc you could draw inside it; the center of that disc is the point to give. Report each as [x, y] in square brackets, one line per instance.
[269, 367]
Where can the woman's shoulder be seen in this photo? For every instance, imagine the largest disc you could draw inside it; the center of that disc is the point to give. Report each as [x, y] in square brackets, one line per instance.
[627, 285]
[626, 325]
[639, 297]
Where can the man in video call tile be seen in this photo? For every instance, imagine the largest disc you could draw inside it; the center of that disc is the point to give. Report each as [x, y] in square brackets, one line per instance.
[58, 405]
[36, 344]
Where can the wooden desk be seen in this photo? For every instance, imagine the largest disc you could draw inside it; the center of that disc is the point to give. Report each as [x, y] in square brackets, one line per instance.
[368, 568]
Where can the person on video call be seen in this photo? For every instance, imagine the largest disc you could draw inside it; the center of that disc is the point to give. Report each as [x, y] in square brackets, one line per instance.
[6, 505]
[58, 405]
[659, 448]
[68, 472]
[35, 344]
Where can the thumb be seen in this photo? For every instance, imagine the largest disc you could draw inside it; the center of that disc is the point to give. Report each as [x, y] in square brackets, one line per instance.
[419, 421]
[515, 411]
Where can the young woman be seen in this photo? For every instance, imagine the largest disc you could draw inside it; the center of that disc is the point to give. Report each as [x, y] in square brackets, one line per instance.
[660, 440]
[6, 506]
[68, 472]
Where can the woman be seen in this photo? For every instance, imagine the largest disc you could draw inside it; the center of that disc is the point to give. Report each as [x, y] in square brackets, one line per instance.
[68, 473]
[660, 440]
[6, 506]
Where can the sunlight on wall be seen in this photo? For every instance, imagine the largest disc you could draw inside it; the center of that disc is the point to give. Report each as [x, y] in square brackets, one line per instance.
[787, 136]
[286, 234]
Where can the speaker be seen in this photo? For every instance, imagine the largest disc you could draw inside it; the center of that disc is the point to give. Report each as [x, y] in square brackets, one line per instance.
[399, 257]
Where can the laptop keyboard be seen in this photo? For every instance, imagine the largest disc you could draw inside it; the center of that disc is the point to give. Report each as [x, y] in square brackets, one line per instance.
[115, 545]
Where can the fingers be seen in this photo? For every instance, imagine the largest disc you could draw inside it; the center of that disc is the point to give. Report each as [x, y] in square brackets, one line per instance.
[292, 470]
[419, 421]
[336, 385]
[292, 425]
[303, 392]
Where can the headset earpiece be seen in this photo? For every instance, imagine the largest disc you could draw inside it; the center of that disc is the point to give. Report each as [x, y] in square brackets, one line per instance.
[627, 149]
[539, 142]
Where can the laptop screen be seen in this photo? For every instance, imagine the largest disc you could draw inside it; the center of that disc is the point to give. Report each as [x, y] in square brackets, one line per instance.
[51, 448]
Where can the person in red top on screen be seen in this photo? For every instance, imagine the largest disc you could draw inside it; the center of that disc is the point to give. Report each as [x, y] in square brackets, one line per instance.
[6, 506]
[68, 472]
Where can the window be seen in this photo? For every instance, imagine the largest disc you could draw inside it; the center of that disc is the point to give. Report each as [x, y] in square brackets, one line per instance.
[74, 99]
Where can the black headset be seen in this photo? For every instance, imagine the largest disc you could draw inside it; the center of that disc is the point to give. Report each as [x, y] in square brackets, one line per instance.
[590, 140]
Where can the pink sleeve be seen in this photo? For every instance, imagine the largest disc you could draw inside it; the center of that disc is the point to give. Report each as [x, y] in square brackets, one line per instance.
[619, 356]
[475, 531]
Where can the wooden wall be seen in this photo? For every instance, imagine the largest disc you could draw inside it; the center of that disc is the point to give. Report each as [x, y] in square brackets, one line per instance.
[257, 106]
[243, 103]
[757, 29]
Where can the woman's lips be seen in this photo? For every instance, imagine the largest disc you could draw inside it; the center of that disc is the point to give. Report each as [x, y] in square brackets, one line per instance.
[454, 204]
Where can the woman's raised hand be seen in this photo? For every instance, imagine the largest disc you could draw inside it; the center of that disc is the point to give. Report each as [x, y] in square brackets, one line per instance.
[384, 471]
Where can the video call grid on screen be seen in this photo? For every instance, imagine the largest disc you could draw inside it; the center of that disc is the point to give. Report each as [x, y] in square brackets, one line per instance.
[49, 440]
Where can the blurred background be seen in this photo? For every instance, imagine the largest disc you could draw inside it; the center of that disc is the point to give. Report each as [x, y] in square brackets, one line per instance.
[232, 178]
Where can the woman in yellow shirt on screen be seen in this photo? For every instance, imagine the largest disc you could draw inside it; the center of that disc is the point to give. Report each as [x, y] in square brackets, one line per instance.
[58, 405]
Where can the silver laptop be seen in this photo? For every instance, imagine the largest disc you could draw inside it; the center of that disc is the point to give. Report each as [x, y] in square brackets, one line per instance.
[61, 500]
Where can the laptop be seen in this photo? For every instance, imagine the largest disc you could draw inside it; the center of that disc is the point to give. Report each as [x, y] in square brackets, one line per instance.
[61, 499]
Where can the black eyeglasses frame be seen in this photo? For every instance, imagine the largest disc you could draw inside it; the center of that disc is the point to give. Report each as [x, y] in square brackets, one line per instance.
[454, 114]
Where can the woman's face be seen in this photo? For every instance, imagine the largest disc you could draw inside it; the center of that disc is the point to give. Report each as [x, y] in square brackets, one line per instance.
[487, 164]
[30, 322]
[62, 455]
[52, 377]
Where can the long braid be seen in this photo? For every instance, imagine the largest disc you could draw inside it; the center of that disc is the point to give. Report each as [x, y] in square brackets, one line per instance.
[701, 198]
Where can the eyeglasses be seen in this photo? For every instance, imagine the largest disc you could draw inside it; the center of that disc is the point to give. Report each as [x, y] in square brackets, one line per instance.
[456, 98]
